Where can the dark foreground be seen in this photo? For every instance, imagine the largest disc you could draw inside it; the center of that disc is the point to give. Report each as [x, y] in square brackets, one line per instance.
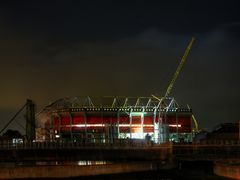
[200, 170]
[185, 170]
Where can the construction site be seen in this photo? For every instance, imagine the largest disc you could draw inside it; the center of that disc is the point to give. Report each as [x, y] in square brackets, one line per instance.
[110, 119]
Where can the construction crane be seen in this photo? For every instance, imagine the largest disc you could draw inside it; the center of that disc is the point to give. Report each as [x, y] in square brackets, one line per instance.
[179, 68]
[175, 76]
[177, 72]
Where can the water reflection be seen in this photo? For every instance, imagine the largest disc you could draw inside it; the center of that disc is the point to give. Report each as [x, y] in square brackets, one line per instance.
[53, 163]
[84, 163]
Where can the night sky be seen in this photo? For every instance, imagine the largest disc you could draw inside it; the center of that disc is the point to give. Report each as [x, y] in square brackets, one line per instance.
[54, 49]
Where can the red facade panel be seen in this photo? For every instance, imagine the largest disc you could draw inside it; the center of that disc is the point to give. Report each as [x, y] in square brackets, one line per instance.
[148, 119]
[110, 120]
[136, 119]
[78, 120]
[180, 120]
[56, 122]
[95, 122]
[102, 120]
[65, 121]
[124, 120]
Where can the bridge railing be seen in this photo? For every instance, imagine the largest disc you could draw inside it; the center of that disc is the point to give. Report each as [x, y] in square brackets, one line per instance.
[71, 145]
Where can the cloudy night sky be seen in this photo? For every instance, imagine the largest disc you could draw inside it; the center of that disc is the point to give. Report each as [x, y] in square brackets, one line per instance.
[54, 49]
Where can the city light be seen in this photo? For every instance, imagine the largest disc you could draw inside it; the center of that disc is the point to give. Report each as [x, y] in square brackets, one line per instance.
[175, 125]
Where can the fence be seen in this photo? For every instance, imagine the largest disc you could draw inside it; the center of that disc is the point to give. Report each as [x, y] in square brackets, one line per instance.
[123, 143]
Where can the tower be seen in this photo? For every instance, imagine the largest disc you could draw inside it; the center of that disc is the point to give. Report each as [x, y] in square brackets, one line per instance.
[30, 120]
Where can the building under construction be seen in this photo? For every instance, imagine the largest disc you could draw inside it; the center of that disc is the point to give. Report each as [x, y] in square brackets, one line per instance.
[108, 119]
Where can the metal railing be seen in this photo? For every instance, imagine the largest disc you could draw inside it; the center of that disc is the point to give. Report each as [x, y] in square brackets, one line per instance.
[83, 144]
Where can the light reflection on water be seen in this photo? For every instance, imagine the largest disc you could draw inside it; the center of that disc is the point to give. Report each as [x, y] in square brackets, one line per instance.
[53, 163]
[83, 163]
[71, 163]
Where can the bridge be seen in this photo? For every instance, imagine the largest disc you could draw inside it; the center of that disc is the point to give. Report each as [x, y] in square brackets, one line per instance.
[123, 157]
[57, 151]
[125, 150]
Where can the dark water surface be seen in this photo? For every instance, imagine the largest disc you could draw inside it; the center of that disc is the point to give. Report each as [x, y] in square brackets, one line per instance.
[53, 163]
[185, 170]
[198, 171]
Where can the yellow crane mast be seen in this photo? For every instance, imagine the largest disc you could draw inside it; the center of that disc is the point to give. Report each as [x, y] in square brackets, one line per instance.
[175, 76]
[179, 68]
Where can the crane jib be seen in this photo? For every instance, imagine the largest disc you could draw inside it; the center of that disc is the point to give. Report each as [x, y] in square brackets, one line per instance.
[179, 68]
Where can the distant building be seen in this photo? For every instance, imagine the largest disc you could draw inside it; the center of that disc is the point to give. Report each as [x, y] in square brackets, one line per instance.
[11, 137]
[200, 136]
[223, 133]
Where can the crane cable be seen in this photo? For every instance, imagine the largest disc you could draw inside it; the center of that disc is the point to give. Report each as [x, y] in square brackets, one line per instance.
[11, 120]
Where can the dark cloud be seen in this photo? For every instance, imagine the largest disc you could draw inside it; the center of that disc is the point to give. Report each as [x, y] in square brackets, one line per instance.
[111, 20]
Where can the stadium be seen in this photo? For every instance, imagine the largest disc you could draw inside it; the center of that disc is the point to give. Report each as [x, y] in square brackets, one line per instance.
[108, 119]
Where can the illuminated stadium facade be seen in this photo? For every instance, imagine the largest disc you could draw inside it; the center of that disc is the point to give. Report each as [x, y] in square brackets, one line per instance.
[109, 119]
